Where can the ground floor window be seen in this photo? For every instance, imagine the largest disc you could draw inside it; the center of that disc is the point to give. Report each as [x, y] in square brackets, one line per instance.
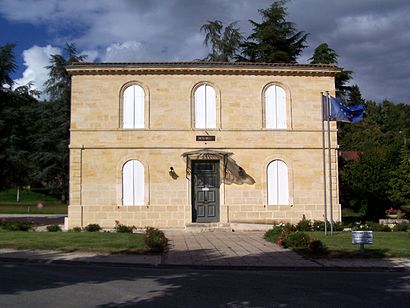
[133, 183]
[278, 188]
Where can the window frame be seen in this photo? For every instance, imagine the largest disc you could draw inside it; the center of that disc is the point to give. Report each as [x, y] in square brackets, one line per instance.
[287, 106]
[278, 202]
[217, 106]
[141, 187]
[146, 106]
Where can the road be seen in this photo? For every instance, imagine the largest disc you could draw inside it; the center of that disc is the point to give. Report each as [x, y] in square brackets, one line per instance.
[66, 285]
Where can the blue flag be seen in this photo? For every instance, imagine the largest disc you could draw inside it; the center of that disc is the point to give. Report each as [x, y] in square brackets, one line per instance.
[342, 113]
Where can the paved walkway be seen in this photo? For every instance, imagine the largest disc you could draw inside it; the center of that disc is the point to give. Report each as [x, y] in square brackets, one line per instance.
[235, 250]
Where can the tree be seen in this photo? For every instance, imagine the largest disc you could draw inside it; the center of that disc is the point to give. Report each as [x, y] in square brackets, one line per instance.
[399, 193]
[7, 65]
[274, 39]
[51, 140]
[224, 42]
[323, 54]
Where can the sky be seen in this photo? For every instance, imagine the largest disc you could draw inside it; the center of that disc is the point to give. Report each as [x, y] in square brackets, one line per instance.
[371, 37]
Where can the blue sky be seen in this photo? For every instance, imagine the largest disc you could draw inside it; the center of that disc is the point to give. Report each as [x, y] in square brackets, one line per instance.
[372, 37]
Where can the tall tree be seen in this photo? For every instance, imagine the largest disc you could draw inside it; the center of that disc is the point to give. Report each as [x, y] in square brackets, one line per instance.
[52, 138]
[275, 39]
[224, 42]
[323, 54]
[7, 65]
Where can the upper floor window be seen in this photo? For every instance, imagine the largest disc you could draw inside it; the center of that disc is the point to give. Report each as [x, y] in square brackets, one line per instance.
[133, 107]
[278, 188]
[275, 107]
[205, 107]
[133, 183]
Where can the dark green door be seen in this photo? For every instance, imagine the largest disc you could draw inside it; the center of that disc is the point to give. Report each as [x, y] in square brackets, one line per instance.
[205, 191]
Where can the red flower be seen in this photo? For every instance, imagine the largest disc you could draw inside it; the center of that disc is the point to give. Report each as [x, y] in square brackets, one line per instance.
[280, 242]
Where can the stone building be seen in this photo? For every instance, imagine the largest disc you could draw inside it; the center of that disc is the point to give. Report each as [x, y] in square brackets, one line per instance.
[171, 144]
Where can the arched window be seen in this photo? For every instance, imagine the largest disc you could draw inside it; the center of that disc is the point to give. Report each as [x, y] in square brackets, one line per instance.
[275, 107]
[205, 107]
[133, 183]
[278, 188]
[133, 107]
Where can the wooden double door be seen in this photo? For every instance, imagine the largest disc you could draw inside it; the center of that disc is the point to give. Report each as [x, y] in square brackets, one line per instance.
[205, 190]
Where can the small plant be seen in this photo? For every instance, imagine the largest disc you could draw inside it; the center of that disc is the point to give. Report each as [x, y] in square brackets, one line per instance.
[16, 225]
[395, 212]
[119, 228]
[76, 229]
[92, 228]
[401, 227]
[273, 234]
[374, 226]
[155, 239]
[53, 228]
[317, 247]
[296, 240]
[304, 225]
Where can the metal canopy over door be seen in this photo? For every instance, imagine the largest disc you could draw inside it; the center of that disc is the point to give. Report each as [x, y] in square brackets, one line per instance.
[205, 190]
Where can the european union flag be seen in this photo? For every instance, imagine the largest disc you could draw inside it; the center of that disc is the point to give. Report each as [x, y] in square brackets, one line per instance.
[342, 113]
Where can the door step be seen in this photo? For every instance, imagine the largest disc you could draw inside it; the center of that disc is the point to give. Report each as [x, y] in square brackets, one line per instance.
[208, 227]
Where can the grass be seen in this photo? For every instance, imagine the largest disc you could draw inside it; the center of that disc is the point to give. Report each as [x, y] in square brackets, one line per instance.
[385, 244]
[72, 241]
[28, 202]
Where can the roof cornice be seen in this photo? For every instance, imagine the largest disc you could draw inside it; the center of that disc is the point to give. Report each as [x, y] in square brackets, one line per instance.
[202, 68]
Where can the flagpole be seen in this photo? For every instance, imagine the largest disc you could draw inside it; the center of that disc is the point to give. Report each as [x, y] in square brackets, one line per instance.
[324, 160]
[330, 163]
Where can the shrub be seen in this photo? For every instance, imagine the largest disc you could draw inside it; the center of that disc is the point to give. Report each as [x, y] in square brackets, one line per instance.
[123, 228]
[76, 229]
[274, 234]
[304, 225]
[403, 226]
[16, 225]
[92, 228]
[53, 228]
[317, 247]
[374, 226]
[155, 239]
[296, 240]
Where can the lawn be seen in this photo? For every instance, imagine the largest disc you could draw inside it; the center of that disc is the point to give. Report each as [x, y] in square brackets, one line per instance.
[385, 244]
[73, 241]
[28, 202]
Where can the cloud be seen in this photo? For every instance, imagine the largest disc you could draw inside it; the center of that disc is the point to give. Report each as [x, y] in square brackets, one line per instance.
[36, 59]
[127, 51]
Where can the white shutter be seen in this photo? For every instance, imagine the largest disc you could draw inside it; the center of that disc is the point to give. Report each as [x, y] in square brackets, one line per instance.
[128, 108]
[138, 183]
[139, 98]
[133, 183]
[278, 188]
[210, 107]
[270, 107]
[281, 107]
[127, 183]
[283, 189]
[275, 107]
[200, 112]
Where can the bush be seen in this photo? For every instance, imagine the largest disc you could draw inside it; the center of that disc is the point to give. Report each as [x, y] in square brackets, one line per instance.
[374, 226]
[92, 228]
[155, 239]
[123, 229]
[76, 229]
[296, 240]
[274, 234]
[317, 247]
[53, 228]
[16, 225]
[304, 225]
[401, 227]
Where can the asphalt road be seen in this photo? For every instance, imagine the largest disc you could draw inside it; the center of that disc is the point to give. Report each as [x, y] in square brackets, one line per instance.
[55, 285]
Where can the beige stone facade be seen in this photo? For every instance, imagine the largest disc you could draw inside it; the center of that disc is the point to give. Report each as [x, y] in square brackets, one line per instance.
[99, 146]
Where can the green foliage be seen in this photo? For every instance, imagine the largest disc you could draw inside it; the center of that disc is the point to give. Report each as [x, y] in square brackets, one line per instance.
[401, 227]
[323, 54]
[119, 228]
[317, 247]
[374, 226]
[296, 240]
[224, 42]
[76, 229]
[155, 239]
[54, 228]
[7, 65]
[274, 234]
[304, 225]
[92, 228]
[16, 225]
[274, 39]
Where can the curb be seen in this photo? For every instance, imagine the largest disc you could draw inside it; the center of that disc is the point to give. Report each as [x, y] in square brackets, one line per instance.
[320, 268]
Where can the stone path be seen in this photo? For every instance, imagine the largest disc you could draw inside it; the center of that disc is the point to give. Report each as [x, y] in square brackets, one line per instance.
[229, 249]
